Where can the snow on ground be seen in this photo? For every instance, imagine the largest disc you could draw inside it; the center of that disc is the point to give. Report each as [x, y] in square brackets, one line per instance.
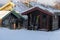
[23, 34]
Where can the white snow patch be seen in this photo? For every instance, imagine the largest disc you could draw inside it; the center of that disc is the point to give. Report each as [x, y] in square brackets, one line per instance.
[23, 34]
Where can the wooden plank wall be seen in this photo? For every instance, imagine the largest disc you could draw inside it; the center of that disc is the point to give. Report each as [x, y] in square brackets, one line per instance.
[0, 22]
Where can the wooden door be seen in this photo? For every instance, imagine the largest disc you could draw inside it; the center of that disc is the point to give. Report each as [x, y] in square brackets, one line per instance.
[43, 21]
[59, 21]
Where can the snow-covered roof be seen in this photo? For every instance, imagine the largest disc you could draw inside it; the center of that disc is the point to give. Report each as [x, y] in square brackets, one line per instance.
[47, 8]
[28, 9]
[3, 13]
[20, 7]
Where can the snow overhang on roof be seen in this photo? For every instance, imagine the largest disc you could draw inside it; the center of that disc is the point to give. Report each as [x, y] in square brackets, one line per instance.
[22, 8]
[37, 8]
[3, 13]
[56, 12]
[47, 8]
[28, 9]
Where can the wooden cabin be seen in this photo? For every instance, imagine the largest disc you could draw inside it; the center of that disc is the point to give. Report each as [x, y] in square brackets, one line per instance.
[10, 19]
[39, 19]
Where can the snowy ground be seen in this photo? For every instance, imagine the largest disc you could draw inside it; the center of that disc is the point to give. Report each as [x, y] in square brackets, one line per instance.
[23, 34]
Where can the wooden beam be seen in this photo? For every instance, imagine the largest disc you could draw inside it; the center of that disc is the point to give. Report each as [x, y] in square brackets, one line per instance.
[40, 21]
[29, 20]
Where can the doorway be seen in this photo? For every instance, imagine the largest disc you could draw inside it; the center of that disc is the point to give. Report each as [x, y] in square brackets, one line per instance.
[59, 21]
[43, 21]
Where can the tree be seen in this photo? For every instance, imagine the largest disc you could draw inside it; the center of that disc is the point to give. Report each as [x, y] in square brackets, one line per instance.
[57, 5]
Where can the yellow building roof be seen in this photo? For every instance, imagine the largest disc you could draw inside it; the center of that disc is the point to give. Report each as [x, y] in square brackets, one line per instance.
[7, 6]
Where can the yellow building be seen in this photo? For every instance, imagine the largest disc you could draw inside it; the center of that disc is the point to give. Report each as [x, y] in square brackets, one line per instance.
[7, 7]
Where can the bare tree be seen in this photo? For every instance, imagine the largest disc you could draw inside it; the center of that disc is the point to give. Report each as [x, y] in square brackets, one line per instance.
[57, 5]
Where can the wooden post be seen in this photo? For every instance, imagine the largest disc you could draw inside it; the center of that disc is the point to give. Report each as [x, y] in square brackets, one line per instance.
[28, 22]
[40, 21]
[14, 25]
[19, 26]
[47, 23]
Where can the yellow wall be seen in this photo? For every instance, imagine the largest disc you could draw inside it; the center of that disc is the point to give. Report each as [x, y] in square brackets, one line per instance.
[0, 22]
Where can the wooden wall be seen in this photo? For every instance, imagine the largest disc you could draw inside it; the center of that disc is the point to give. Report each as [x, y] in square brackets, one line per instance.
[0, 22]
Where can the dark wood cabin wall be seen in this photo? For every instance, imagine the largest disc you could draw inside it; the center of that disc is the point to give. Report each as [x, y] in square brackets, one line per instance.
[50, 22]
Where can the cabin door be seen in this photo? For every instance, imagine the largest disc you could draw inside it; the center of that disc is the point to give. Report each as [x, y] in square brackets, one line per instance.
[59, 21]
[43, 21]
[14, 23]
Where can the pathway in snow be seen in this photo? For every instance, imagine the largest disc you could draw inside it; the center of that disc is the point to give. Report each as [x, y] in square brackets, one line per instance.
[23, 34]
